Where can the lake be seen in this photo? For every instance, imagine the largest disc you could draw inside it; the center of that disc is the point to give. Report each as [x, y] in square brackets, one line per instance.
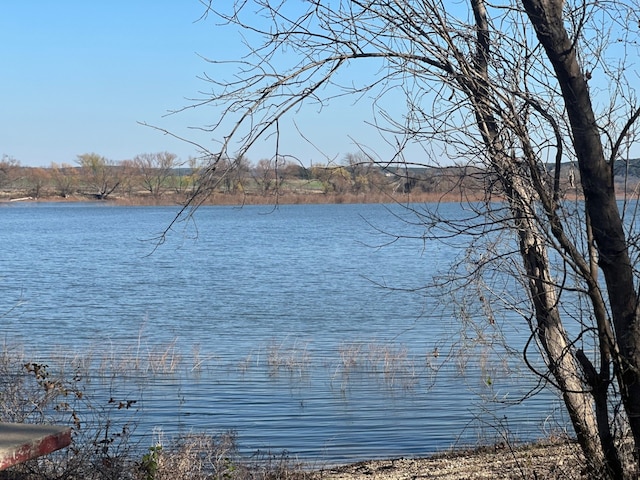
[303, 328]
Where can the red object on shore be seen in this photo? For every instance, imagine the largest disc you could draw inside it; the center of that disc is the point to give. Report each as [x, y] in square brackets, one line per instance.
[20, 442]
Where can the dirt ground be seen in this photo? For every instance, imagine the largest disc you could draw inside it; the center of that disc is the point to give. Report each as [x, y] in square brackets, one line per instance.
[544, 461]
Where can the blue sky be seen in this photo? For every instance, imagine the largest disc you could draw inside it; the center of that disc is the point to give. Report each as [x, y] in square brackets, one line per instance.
[77, 77]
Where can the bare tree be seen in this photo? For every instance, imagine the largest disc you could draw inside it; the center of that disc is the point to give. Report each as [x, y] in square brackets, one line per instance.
[265, 174]
[513, 90]
[9, 168]
[334, 179]
[155, 170]
[37, 179]
[101, 174]
[65, 178]
[185, 177]
[130, 178]
[359, 166]
[240, 166]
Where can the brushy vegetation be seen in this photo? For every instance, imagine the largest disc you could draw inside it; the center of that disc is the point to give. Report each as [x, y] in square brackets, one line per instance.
[104, 447]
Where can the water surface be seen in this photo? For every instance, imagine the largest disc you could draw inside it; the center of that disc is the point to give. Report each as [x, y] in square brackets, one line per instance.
[272, 322]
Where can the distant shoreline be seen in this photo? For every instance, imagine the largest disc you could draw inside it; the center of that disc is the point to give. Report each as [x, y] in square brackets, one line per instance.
[286, 198]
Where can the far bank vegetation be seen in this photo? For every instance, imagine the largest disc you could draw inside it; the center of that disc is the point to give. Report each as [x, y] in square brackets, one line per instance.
[163, 178]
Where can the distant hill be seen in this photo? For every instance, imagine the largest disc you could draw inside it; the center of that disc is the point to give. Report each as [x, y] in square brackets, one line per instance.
[632, 168]
[620, 169]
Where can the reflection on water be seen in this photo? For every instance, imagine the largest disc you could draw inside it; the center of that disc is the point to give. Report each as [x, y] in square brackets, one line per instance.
[272, 323]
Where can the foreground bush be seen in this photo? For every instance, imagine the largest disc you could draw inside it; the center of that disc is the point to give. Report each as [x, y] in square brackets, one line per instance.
[194, 456]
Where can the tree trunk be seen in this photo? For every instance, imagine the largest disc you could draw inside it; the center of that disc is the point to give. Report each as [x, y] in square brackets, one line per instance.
[598, 188]
[549, 328]
[553, 338]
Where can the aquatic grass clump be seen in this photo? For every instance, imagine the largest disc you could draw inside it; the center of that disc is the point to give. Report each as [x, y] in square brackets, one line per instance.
[391, 362]
[96, 362]
[291, 358]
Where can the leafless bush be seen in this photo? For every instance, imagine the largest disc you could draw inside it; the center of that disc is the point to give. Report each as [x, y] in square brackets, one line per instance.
[34, 392]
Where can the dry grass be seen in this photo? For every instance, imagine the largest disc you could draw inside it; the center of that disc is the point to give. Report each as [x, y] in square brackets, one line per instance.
[203, 457]
[194, 456]
[143, 359]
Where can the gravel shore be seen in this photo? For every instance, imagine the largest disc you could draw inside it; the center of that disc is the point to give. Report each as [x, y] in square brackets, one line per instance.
[540, 461]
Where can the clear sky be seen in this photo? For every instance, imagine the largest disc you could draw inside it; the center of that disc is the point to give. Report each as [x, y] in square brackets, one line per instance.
[77, 76]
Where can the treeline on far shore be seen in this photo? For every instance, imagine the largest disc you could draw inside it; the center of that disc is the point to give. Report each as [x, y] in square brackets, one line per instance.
[162, 178]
